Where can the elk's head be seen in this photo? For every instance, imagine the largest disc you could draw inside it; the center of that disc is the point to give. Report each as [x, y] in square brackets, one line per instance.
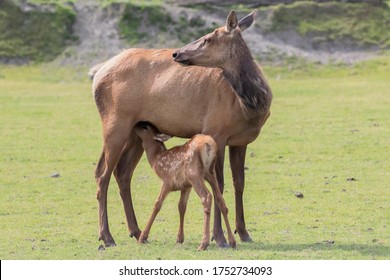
[213, 49]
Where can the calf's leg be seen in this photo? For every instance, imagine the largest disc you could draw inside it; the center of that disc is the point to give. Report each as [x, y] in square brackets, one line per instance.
[157, 207]
[206, 199]
[182, 210]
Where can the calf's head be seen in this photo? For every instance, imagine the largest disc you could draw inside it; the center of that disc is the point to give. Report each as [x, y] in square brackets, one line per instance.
[148, 132]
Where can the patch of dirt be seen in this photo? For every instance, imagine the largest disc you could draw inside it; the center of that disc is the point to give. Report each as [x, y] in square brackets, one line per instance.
[97, 30]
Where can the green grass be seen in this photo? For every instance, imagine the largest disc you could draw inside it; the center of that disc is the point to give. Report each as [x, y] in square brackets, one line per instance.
[328, 124]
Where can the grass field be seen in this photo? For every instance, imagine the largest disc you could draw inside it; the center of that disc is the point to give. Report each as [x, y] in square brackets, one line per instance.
[328, 137]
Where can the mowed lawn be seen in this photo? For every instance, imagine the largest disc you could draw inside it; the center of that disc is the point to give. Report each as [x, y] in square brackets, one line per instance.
[328, 138]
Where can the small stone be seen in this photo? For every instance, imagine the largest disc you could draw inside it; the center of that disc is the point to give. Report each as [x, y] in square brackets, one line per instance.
[329, 241]
[351, 179]
[299, 194]
[55, 175]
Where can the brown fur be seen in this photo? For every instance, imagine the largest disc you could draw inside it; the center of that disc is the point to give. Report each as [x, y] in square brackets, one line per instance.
[230, 102]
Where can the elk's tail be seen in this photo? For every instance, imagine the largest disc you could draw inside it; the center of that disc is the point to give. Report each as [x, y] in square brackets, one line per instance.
[92, 72]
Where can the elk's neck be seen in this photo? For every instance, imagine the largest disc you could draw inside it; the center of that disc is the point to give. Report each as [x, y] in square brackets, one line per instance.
[152, 149]
[248, 81]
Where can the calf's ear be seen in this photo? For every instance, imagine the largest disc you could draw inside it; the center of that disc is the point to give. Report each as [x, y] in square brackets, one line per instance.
[162, 137]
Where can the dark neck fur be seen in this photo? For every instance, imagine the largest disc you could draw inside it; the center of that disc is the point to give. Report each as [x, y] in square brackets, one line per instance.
[247, 80]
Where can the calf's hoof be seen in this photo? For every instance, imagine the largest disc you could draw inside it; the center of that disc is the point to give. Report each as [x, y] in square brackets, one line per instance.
[233, 244]
[143, 240]
[203, 246]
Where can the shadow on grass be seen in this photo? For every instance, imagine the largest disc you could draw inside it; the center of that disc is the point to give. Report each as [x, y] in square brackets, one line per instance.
[370, 250]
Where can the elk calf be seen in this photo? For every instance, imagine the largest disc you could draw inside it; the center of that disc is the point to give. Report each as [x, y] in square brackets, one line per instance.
[180, 168]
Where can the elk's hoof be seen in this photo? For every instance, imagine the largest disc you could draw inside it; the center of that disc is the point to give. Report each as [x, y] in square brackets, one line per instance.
[109, 243]
[220, 240]
[223, 245]
[135, 234]
[244, 236]
[108, 240]
[246, 239]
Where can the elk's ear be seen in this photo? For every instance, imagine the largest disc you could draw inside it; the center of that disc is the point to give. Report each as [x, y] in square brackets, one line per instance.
[247, 21]
[231, 22]
[161, 137]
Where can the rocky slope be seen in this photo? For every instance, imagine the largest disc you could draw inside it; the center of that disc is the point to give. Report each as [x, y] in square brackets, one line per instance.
[102, 31]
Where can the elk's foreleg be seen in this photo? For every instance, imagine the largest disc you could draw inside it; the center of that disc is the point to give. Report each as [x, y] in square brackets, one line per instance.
[218, 235]
[237, 162]
[220, 201]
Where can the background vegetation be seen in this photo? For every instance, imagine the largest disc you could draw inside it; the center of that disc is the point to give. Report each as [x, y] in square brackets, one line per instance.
[364, 25]
[38, 34]
[40, 30]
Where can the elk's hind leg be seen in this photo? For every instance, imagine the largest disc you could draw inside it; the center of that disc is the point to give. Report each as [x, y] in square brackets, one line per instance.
[114, 137]
[123, 172]
[237, 162]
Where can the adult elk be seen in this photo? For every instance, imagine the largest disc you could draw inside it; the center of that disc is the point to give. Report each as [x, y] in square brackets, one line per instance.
[211, 86]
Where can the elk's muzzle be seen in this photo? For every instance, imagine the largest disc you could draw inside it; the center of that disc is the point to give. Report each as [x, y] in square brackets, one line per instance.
[186, 53]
